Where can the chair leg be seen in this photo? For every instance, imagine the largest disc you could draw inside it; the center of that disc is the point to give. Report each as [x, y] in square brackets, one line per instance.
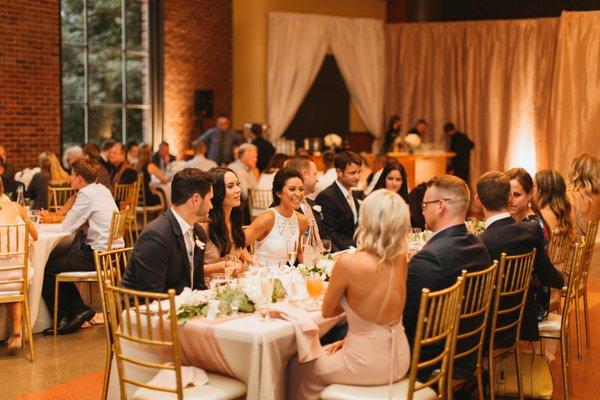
[519, 377]
[55, 316]
[107, 365]
[586, 316]
[577, 326]
[478, 372]
[27, 323]
[492, 373]
[564, 352]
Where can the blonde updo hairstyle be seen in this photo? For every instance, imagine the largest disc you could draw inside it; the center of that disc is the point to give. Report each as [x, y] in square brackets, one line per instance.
[383, 225]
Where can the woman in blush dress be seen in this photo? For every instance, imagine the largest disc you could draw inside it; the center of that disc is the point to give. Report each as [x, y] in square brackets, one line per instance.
[370, 286]
[278, 230]
[584, 191]
[226, 242]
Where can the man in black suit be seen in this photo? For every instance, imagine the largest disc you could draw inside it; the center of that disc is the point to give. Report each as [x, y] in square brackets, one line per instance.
[162, 157]
[265, 148]
[339, 205]
[170, 252]
[462, 146]
[504, 235]
[450, 250]
[122, 173]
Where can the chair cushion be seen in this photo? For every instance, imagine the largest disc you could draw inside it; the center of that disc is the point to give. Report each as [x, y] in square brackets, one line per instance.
[551, 324]
[78, 274]
[400, 391]
[219, 388]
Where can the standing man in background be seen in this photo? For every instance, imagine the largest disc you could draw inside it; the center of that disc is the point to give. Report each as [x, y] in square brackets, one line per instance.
[220, 141]
[265, 148]
[460, 144]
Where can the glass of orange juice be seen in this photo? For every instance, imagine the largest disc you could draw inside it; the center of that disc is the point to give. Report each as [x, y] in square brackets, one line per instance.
[314, 286]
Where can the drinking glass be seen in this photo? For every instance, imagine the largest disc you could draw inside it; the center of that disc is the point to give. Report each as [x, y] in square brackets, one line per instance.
[266, 291]
[326, 246]
[296, 291]
[314, 286]
[292, 251]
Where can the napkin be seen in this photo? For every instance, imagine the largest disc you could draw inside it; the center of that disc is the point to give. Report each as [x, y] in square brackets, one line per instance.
[190, 376]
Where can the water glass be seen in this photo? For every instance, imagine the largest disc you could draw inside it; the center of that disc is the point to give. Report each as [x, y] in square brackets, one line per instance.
[266, 289]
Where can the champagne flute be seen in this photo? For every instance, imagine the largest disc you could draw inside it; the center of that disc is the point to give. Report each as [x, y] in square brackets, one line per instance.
[266, 289]
[314, 286]
[292, 251]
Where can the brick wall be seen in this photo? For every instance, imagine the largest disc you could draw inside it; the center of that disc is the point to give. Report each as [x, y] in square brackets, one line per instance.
[197, 55]
[29, 79]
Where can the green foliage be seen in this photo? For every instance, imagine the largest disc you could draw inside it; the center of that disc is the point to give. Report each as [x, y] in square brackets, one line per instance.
[278, 290]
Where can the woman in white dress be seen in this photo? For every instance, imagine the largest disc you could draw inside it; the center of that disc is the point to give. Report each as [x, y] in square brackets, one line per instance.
[278, 230]
[13, 213]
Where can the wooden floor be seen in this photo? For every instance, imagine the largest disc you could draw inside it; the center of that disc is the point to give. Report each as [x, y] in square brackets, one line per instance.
[70, 367]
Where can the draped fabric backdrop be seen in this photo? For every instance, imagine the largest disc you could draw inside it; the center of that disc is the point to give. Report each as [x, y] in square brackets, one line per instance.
[296, 48]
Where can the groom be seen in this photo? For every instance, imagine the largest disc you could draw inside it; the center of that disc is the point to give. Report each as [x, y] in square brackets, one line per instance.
[170, 252]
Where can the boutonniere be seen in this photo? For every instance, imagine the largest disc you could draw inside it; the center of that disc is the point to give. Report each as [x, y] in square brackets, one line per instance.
[317, 208]
[199, 243]
[359, 202]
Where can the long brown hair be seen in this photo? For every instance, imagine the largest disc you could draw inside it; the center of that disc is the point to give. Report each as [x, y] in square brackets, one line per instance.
[584, 174]
[144, 157]
[552, 193]
[52, 170]
[526, 182]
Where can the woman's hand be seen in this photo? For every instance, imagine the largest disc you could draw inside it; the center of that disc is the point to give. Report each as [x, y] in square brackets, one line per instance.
[335, 346]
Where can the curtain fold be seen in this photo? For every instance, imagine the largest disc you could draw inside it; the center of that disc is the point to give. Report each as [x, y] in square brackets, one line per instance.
[358, 46]
[296, 47]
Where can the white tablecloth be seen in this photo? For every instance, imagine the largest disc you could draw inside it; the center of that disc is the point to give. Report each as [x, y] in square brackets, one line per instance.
[49, 237]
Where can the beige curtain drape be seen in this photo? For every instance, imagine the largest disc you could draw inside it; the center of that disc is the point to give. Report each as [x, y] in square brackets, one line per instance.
[574, 117]
[297, 45]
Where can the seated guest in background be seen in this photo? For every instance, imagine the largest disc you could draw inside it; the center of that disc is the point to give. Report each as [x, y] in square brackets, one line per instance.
[200, 161]
[132, 152]
[338, 203]
[9, 168]
[584, 190]
[226, 243]
[307, 167]
[380, 161]
[105, 149]
[13, 213]
[162, 158]
[69, 155]
[51, 174]
[278, 230]
[90, 218]
[265, 148]
[450, 250]
[460, 144]
[551, 197]
[244, 168]
[91, 151]
[265, 180]
[220, 141]
[170, 251]
[329, 175]
[415, 203]
[392, 134]
[375, 350]
[9, 184]
[420, 128]
[122, 173]
[147, 168]
[393, 177]
[505, 235]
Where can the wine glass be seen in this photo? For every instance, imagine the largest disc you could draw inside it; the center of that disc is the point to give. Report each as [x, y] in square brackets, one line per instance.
[314, 286]
[296, 291]
[326, 246]
[266, 290]
[292, 251]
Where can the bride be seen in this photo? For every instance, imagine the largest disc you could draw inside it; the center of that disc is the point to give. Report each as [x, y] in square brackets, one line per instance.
[370, 286]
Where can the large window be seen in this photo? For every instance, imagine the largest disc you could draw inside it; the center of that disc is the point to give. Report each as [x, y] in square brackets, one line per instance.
[105, 71]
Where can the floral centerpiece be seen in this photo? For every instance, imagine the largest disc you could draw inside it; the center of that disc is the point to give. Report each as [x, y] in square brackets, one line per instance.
[475, 226]
[323, 267]
[333, 141]
[413, 141]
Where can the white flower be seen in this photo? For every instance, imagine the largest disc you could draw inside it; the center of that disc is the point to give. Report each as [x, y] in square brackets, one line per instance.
[189, 297]
[200, 244]
[326, 265]
[317, 208]
[413, 140]
[332, 140]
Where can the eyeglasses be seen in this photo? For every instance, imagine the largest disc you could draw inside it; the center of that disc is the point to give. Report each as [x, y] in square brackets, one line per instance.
[424, 204]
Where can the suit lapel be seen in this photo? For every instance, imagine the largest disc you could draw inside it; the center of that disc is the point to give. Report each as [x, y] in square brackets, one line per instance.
[343, 201]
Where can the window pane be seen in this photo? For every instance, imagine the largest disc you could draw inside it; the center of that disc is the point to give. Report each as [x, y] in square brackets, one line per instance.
[105, 123]
[104, 23]
[72, 73]
[71, 14]
[137, 124]
[72, 125]
[105, 76]
[137, 24]
[137, 79]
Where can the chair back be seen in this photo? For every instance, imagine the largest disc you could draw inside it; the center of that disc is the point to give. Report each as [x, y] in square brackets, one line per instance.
[436, 322]
[513, 280]
[588, 250]
[132, 322]
[559, 246]
[259, 201]
[58, 196]
[118, 226]
[14, 249]
[474, 314]
[126, 195]
[575, 264]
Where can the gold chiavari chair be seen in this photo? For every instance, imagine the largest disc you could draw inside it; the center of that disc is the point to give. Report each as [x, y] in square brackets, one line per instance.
[514, 278]
[436, 325]
[14, 274]
[557, 326]
[259, 201]
[118, 226]
[109, 266]
[475, 310]
[126, 196]
[142, 208]
[58, 196]
[559, 246]
[132, 323]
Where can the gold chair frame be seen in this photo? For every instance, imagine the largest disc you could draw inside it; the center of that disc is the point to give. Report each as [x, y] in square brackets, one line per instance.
[58, 196]
[259, 200]
[118, 226]
[476, 301]
[559, 247]
[142, 208]
[126, 196]
[513, 279]
[23, 295]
